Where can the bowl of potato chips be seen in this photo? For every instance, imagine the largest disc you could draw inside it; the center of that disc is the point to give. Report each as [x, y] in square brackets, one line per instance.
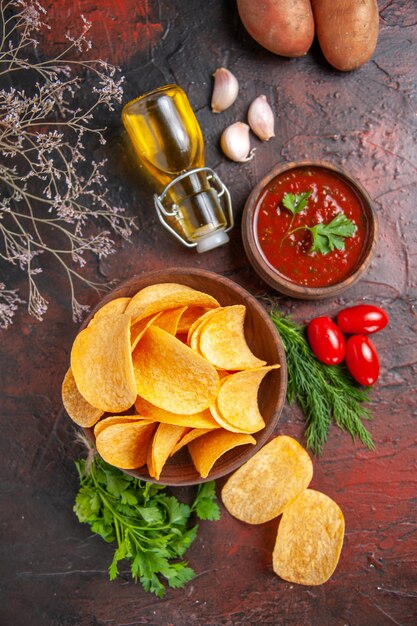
[178, 376]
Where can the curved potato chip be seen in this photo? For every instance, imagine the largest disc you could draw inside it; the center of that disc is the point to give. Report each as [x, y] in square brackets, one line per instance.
[237, 400]
[162, 296]
[190, 315]
[194, 433]
[118, 419]
[206, 450]
[101, 363]
[222, 340]
[261, 488]
[193, 336]
[171, 375]
[309, 540]
[138, 328]
[203, 419]
[80, 411]
[125, 445]
[114, 307]
[164, 440]
[168, 320]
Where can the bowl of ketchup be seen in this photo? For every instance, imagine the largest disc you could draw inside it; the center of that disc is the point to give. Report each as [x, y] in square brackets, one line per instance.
[309, 230]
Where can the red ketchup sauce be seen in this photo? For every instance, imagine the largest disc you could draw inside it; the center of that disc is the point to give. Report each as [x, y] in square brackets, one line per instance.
[291, 256]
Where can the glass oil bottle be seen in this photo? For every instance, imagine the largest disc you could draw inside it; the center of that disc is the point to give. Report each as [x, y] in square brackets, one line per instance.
[192, 203]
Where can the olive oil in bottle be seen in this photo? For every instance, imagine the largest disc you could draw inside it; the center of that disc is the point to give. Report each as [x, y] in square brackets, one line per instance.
[168, 141]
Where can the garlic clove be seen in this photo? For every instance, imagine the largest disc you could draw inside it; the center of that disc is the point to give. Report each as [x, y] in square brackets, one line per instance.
[225, 90]
[235, 142]
[261, 118]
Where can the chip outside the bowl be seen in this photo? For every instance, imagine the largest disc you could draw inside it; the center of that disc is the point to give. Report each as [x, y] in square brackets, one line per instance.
[261, 488]
[309, 540]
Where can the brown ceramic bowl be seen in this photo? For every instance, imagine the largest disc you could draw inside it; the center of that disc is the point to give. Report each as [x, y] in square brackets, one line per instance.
[269, 273]
[262, 338]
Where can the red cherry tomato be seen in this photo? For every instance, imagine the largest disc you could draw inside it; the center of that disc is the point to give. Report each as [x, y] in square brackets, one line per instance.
[362, 319]
[362, 359]
[326, 340]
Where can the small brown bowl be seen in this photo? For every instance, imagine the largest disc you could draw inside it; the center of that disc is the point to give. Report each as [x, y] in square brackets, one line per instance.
[273, 276]
[262, 338]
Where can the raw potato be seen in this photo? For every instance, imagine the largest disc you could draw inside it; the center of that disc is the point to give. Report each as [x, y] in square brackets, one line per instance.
[347, 31]
[285, 27]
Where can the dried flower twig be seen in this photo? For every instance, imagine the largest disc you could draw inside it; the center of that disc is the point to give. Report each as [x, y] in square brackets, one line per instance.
[49, 191]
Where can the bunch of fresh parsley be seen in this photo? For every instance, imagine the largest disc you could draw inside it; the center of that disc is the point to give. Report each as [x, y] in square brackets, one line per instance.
[325, 237]
[150, 526]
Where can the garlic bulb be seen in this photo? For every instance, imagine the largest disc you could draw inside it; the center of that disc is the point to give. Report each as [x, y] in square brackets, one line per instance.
[261, 118]
[225, 90]
[235, 142]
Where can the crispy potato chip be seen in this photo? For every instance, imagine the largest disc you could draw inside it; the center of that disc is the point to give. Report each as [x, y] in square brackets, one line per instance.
[237, 400]
[194, 433]
[206, 450]
[80, 411]
[222, 340]
[101, 363]
[162, 296]
[125, 445]
[138, 328]
[114, 307]
[190, 315]
[164, 440]
[203, 419]
[261, 488]
[171, 375]
[168, 320]
[193, 336]
[309, 540]
[118, 419]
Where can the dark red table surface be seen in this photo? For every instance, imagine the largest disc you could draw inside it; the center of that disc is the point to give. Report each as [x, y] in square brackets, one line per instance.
[53, 571]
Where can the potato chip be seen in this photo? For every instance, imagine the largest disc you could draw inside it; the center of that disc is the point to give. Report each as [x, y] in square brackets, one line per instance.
[237, 400]
[162, 296]
[309, 540]
[168, 320]
[101, 363]
[171, 375]
[193, 337]
[118, 419]
[114, 307]
[203, 419]
[164, 440]
[261, 488]
[192, 434]
[222, 340]
[80, 411]
[125, 445]
[190, 315]
[206, 450]
[138, 328]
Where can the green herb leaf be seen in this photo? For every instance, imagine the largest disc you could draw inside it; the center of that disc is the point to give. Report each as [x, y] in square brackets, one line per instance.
[296, 202]
[205, 505]
[322, 391]
[150, 527]
[329, 237]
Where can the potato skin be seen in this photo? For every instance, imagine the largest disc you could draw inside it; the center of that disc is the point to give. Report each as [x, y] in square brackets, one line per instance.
[285, 27]
[347, 31]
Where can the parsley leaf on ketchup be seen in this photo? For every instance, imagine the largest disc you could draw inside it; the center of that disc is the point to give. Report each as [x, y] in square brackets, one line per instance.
[296, 202]
[331, 236]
